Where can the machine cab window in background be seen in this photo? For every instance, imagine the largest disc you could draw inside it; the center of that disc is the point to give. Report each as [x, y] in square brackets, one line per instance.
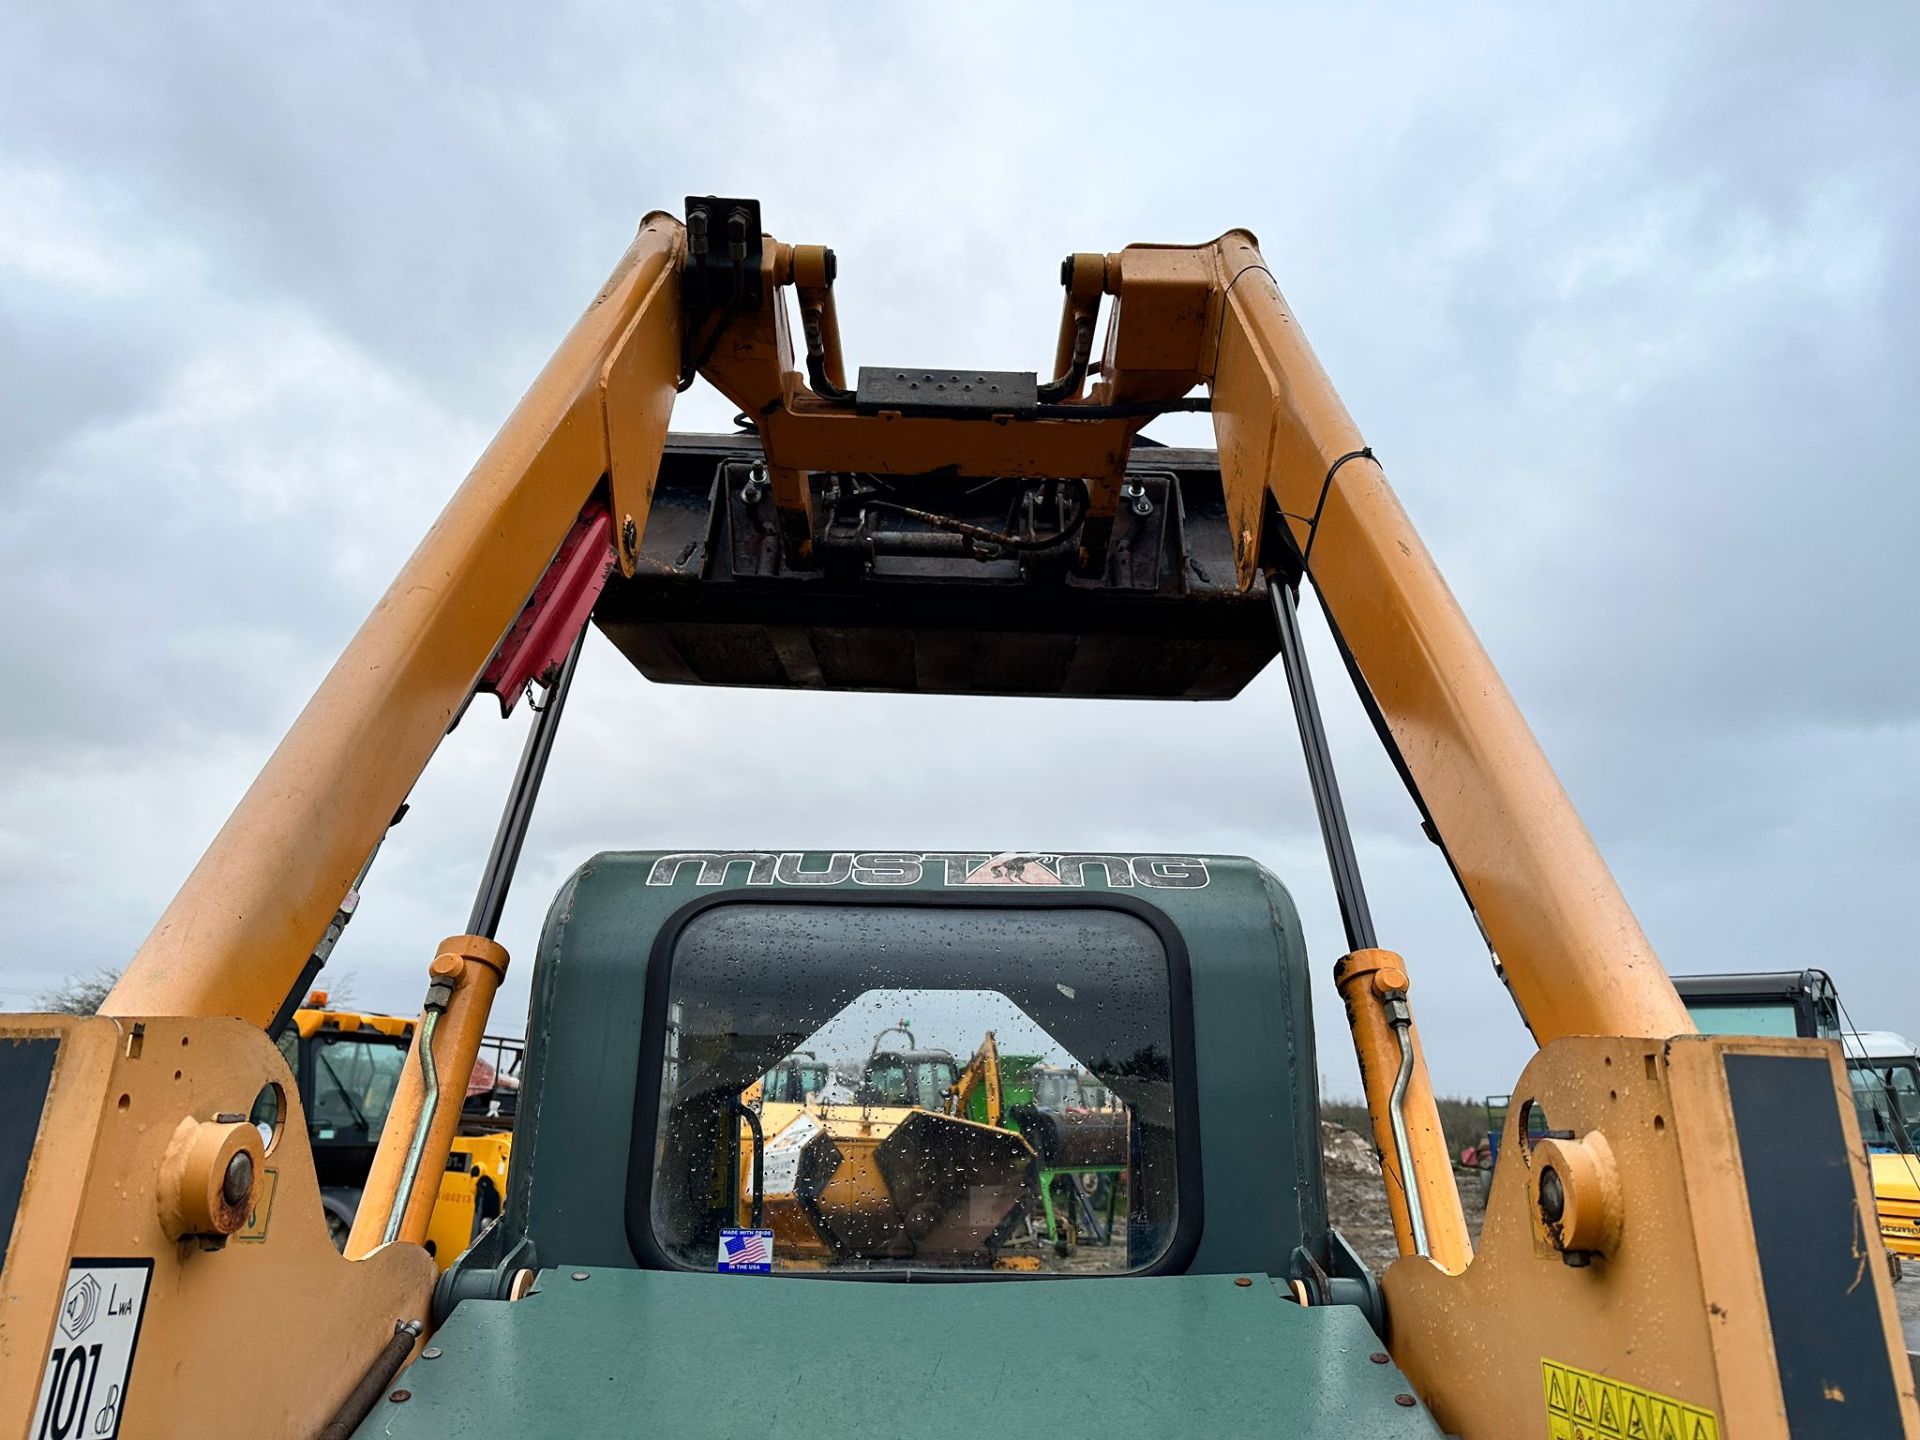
[883, 1088]
[1785, 1003]
[1886, 1090]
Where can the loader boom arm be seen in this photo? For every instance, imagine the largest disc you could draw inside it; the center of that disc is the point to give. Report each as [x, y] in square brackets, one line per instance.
[235, 938]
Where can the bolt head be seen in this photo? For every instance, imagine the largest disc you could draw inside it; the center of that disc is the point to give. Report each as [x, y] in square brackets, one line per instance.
[237, 1184]
[1553, 1196]
[432, 1352]
[447, 967]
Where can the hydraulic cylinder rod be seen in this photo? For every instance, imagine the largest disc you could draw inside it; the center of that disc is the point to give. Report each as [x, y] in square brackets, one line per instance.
[512, 834]
[1348, 887]
[1418, 1172]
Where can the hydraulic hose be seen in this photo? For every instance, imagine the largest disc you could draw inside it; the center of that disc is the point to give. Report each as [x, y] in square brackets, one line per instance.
[437, 997]
[1400, 1016]
[366, 1393]
[1076, 374]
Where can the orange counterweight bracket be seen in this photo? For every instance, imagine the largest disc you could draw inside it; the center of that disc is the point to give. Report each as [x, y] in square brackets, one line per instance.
[1415, 1159]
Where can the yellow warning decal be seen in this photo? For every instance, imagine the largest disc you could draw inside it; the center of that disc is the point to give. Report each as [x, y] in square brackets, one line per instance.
[1583, 1405]
[262, 1212]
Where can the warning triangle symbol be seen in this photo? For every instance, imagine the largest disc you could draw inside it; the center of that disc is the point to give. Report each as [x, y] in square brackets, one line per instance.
[1556, 1397]
[1606, 1410]
[1581, 1409]
[1700, 1430]
[1636, 1420]
[1667, 1432]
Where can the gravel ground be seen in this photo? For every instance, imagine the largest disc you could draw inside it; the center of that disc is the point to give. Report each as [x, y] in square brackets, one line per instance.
[1357, 1204]
[1357, 1199]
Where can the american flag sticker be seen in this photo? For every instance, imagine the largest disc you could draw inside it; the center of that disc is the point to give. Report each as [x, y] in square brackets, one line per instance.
[746, 1252]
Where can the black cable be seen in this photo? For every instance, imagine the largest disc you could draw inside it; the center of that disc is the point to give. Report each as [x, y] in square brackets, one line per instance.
[1126, 409]
[1894, 1113]
[813, 322]
[1076, 372]
[1313, 525]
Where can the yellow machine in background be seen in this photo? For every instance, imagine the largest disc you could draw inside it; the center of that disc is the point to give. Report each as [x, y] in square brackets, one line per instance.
[866, 1180]
[347, 1066]
[1882, 1068]
[868, 1184]
[1885, 1071]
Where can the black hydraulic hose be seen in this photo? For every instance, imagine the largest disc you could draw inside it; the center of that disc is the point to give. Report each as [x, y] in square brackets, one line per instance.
[979, 533]
[812, 324]
[316, 961]
[1127, 409]
[362, 1398]
[1069, 383]
[745, 1112]
[692, 371]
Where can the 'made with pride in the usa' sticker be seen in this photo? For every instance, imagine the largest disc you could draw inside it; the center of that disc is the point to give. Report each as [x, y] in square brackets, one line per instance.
[746, 1252]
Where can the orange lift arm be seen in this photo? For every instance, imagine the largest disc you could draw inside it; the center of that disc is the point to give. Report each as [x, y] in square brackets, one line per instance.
[236, 937]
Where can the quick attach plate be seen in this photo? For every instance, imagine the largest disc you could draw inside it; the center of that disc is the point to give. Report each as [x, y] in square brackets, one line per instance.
[922, 390]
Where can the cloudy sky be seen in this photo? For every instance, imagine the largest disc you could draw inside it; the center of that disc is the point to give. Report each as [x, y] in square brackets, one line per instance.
[1625, 299]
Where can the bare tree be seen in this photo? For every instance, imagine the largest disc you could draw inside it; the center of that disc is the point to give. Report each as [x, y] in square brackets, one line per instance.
[339, 987]
[79, 994]
[83, 994]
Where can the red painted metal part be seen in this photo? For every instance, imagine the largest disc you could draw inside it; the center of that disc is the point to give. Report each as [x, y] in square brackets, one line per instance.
[537, 645]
